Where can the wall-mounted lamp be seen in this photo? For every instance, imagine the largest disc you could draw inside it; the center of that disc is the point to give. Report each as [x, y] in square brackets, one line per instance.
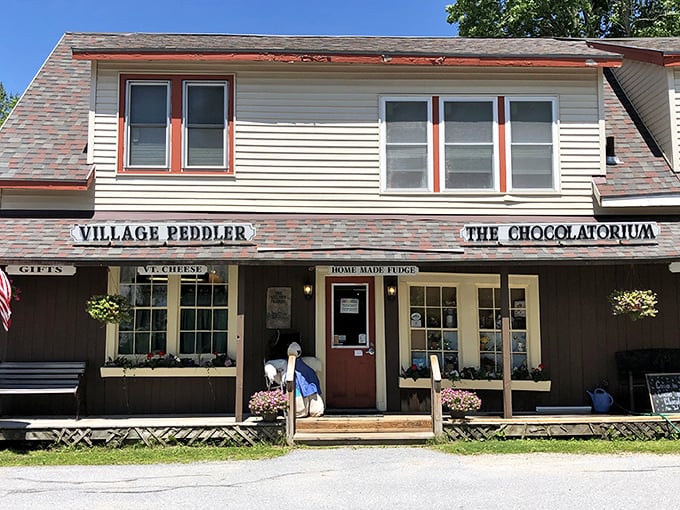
[308, 290]
[391, 292]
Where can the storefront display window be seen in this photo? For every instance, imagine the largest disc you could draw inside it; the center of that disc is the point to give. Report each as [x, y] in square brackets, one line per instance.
[458, 318]
[184, 314]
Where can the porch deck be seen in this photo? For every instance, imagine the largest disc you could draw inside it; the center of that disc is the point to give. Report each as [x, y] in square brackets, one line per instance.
[327, 430]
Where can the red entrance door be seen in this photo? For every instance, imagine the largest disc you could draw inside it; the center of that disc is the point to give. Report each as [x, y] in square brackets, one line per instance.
[350, 343]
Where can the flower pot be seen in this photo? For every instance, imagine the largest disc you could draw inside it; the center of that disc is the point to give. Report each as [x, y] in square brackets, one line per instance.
[269, 417]
[456, 414]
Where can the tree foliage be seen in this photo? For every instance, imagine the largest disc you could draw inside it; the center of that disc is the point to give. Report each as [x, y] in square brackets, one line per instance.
[7, 102]
[566, 18]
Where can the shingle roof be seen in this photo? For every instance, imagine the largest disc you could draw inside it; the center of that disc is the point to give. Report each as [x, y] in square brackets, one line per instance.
[643, 170]
[301, 239]
[44, 138]
[354, 45]
[663, 45]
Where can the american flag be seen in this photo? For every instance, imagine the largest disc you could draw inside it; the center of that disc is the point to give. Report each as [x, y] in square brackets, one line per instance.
[5, 298]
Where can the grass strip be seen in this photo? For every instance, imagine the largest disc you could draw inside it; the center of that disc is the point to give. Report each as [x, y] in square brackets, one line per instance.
[566, 446]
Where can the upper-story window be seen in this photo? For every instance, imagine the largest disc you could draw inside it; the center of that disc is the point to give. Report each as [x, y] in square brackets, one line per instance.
[532, 130]
[176, 124]
[469, 144]
[407, 149]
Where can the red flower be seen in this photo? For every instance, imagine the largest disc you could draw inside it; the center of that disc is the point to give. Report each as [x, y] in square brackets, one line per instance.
[540, 366]
[161, 353]
[149, 355]
[414, 366]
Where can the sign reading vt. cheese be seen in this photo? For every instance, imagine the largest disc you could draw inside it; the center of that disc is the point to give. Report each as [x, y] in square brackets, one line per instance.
[207, 232]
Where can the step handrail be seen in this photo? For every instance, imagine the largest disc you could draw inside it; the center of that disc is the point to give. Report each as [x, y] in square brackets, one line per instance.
[436, 396]
[290, 393]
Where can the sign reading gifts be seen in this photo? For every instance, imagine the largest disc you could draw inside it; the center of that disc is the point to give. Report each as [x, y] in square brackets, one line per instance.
[204, 232]
[522, 232]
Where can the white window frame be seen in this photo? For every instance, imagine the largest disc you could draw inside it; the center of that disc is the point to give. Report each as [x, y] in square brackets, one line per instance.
[173, 337]
[555, 142]
[467, 286]
[383, 143]
[128, 95]
[185, 124]
[442, 142]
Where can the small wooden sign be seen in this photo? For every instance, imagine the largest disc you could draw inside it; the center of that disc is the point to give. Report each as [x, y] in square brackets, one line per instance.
[664, 392]
[34, 270]
[278, 308]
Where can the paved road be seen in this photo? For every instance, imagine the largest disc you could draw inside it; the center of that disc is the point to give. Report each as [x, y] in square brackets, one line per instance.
[349, 478]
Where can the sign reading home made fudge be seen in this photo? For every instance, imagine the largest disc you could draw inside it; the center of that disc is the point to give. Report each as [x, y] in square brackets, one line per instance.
[372, 270]
[179, 232]
[584, 232]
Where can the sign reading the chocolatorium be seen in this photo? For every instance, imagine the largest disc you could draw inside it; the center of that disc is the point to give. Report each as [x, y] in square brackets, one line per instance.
[642, 231]
[205, 232]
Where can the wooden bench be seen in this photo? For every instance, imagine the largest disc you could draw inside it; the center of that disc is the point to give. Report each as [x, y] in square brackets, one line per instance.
[43, 378]
[632, 366]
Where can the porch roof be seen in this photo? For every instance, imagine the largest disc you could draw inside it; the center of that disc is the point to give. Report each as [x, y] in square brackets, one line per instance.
[325, 239]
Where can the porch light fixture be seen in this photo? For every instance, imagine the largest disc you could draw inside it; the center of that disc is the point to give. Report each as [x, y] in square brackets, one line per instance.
[391, 291]
[308, 290]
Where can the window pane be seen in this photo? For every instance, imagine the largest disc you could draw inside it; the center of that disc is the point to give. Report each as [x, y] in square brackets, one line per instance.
[220, 319]
[204, 295]
[203, 319]
[220, 342]
[468, 122]
[204, 341]
[187, 342]
[205, 147]
[531, 121]
[205, 104]
[158, 342]
[532, 166]
[469, 167]
[188, 319]
[406, 121]
[407, 167]
[188, 295]
[148, 104]
[147, 146]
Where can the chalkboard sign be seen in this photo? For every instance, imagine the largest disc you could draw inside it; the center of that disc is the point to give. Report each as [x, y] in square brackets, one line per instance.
[664, 392]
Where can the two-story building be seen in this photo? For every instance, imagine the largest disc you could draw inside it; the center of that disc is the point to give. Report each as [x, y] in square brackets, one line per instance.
[372, 196]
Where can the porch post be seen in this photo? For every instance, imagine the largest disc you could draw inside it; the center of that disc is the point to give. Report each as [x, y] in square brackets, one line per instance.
[507, 346]
[238, 405]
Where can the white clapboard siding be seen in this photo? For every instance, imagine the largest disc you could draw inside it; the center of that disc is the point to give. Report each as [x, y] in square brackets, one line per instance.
[309, 141]
[46, 200]
[647, 87]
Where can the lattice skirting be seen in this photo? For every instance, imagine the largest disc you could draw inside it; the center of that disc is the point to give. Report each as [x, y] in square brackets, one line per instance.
[231, 435]
[639, 430]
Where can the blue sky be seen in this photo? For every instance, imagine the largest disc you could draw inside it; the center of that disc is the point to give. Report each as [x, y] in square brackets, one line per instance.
[33, 27]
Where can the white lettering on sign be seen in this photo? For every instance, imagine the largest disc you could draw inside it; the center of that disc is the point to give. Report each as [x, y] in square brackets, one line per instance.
[373, 270]
[41, 270]
[643, 231]
[151, 270]
[97, 232]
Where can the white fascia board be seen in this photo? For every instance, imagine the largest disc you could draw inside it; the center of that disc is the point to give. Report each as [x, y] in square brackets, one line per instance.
[641, 201]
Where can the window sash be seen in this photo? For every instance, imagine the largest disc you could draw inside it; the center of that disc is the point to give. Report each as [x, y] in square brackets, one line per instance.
[406, 133]
[532, 158]
[204, 121]
[147, 138]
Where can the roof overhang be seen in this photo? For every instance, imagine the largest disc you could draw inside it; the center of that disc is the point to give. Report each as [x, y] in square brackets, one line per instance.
[50, 184]
[334, 58]
[641, 54]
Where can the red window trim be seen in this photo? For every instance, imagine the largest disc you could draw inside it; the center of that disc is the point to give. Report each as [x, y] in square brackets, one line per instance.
[176, 91]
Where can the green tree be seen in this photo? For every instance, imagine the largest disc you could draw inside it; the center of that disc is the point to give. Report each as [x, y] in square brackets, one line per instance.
[565, 18]
[7, 102]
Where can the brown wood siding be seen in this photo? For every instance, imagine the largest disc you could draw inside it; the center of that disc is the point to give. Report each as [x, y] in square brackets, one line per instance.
[579, 334]
[253, 284]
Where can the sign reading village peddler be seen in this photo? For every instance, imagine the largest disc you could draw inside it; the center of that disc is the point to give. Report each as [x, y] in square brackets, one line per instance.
[560, 232]
[162, 232]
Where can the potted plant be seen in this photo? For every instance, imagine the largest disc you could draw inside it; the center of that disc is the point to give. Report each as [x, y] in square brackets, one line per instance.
[460, 402]
[268, 403]
[636, 303]
[109, 308]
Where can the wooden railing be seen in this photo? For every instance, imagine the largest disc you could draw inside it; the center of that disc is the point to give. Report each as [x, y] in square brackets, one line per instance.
[436, 396]
[290, 393]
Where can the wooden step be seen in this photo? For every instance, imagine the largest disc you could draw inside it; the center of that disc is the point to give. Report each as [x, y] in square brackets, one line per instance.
[361, 438]
[364, 424]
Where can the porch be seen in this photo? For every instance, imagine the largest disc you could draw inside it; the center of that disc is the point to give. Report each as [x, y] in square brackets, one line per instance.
[374, 429]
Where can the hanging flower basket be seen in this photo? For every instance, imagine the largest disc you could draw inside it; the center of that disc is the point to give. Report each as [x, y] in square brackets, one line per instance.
[635, 303]
[109, 308]
[459, 402]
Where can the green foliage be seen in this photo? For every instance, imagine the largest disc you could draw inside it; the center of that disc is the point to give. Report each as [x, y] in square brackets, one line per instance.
[637, 304]
[565, 18]
[109, 308]
[7, 102]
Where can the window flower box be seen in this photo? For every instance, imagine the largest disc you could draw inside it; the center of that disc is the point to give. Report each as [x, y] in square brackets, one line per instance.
[168, 372]
[478, 384]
